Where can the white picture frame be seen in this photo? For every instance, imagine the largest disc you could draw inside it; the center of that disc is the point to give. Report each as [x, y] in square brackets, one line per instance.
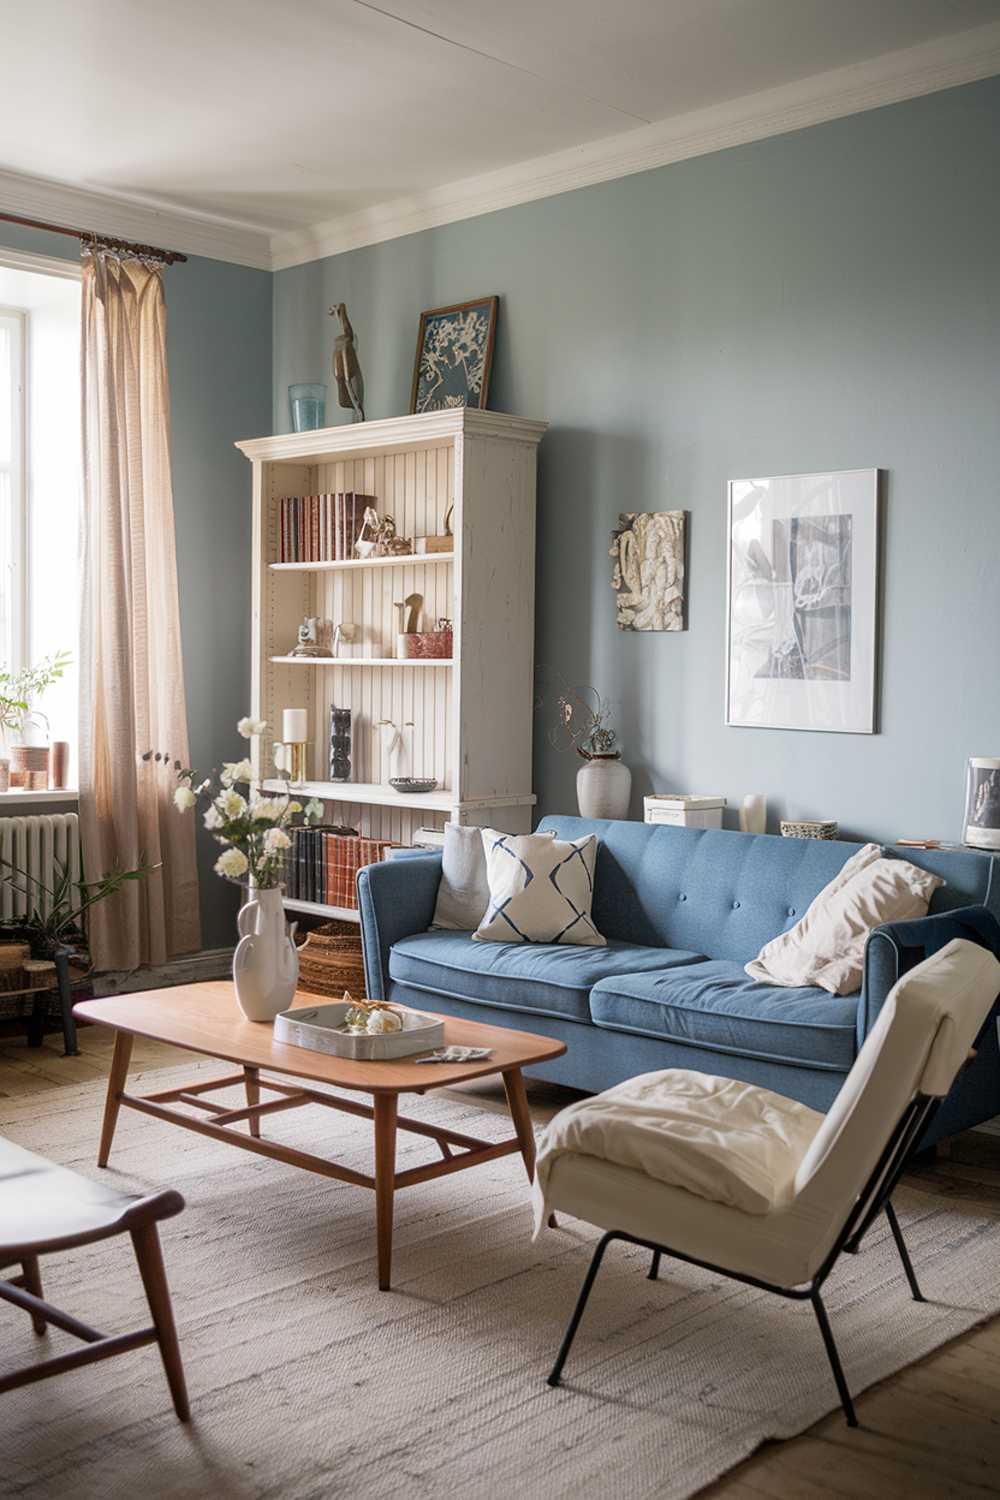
[802, 586]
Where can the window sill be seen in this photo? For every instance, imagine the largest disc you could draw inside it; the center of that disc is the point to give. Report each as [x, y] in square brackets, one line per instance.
[20, 797]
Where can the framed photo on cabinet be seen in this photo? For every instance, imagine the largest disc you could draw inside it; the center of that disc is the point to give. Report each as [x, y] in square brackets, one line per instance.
[802, 617]
[454, 356]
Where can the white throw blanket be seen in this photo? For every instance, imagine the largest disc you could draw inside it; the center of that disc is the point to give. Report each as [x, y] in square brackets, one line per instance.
[826, 947]
[730, 1142]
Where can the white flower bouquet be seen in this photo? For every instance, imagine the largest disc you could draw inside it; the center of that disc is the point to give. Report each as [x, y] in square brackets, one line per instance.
[253, 829]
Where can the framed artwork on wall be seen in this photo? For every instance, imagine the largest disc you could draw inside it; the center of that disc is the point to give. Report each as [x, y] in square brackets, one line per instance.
[802, 626]
[454, 356]
[647, 552]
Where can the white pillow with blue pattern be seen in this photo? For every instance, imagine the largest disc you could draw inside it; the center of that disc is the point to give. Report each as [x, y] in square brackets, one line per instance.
[541, 890]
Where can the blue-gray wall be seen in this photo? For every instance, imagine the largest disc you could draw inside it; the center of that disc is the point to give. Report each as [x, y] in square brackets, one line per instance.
[219, 356]
[823, 300]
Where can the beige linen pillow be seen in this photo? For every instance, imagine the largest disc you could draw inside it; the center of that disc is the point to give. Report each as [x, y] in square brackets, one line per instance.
[541, 889]
[826, 947]
[464, 892]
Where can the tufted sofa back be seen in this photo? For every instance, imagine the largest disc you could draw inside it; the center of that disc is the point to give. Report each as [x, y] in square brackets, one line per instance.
[726, 894]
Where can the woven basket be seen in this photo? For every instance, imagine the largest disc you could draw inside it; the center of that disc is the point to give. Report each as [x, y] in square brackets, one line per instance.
[12, 959]
[330, 961]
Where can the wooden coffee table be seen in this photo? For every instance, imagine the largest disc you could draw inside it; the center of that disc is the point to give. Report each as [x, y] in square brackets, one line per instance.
[205, 1018]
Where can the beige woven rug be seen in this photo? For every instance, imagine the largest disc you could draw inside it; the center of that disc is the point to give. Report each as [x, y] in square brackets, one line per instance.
[307, 1383]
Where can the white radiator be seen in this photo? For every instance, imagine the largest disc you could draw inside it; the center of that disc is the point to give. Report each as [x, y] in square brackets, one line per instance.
[41, 847]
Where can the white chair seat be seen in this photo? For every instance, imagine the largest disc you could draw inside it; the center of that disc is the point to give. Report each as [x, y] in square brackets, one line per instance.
[731, 1142]
[781, 1246]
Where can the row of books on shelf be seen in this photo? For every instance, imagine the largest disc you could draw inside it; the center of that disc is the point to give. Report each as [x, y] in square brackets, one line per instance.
[320, 528]
[322, 864]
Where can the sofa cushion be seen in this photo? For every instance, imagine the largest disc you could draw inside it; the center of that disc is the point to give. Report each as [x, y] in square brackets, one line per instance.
[726, 894]
[715, 1005]
[546, 978]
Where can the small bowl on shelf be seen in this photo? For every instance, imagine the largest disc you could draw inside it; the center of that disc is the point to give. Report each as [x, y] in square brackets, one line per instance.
[406, 786]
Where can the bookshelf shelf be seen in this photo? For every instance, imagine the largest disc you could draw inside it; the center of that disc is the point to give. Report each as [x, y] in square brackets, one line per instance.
[465, 720]
[319, 909]
[363, 661]
[359, 564]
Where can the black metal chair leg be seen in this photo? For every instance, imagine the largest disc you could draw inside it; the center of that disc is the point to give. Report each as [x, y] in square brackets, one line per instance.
[834, 1358]
[904, 1254]
[581, 1303]
[654, 1269]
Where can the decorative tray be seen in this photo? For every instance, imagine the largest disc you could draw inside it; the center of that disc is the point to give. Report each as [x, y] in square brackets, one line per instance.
[321, 1029]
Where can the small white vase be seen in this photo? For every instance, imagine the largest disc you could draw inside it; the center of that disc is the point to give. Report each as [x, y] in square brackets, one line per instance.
[603, 788]
[266, 963]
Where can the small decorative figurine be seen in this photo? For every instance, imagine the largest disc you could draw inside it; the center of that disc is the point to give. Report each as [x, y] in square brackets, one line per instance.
[313, 638]
[346, 368]
[377, 538]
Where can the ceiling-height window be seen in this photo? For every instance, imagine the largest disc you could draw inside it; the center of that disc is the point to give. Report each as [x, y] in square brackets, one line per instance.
[40, 480]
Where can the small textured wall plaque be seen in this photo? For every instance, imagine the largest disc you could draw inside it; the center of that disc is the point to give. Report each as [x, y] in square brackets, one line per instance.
[648, 574]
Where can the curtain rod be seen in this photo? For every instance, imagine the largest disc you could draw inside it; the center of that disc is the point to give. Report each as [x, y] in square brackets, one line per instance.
[87, 236]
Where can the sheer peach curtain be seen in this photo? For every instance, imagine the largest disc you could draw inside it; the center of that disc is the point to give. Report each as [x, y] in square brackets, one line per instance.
[131, 672]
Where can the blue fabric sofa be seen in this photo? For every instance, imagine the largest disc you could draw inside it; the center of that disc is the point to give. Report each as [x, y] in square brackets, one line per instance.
[682, 910]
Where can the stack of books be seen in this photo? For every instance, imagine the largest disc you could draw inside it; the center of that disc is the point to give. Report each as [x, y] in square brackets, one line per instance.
[322, 865]
[320, 528]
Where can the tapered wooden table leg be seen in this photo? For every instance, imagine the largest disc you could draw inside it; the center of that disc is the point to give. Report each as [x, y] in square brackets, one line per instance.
[385, 1182]
[517, 1103]
[116, 1085]
[251, 1077]
[154, 1278]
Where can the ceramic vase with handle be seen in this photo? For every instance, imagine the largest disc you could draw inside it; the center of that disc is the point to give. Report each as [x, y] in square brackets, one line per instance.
[603, 787]
[266, 963]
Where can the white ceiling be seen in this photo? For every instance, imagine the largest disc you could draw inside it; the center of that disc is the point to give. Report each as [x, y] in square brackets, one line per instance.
[281, 116]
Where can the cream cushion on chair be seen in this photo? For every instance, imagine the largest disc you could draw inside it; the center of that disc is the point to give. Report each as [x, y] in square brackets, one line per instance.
[730, 1142]
[826, 947]
[920, 1040]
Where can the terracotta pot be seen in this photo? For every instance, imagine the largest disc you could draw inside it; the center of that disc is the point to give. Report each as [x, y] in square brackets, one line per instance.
[58, 764]
[25, 759]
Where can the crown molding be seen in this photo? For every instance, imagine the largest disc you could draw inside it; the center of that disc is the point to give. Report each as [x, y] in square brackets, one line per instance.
[889, 79]
[133, 219]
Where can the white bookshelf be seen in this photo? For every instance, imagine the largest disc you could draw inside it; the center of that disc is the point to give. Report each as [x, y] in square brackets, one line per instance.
[467, 720]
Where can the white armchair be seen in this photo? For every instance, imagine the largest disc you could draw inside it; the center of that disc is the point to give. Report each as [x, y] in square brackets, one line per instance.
[757, 1187]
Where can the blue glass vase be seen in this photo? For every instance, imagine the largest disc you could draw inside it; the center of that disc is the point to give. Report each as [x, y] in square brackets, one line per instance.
[308, 403]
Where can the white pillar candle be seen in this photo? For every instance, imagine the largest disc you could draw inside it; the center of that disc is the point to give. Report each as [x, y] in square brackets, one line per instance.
[295, 726]
[753, 813]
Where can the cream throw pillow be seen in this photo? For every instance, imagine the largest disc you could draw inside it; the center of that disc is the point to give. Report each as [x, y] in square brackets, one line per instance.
[541, 889]
[826, 947]
[464, 891]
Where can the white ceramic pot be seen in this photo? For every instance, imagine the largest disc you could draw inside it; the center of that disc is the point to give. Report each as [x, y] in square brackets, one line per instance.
[603, 788]
[265, 964]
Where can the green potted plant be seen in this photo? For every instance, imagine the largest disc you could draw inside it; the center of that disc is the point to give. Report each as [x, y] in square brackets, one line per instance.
[19, 694]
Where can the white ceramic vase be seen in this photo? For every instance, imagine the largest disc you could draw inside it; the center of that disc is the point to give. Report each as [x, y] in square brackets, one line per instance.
[266, 963]
[603, 788]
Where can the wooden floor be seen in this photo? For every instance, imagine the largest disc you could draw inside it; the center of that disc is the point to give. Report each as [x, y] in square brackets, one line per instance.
[931, 1431]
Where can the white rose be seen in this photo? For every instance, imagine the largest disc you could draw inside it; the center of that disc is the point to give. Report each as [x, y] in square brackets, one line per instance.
[314, 809]
[184, 799]
[213, 818]
[266, 809]
[231, 804]
[276, 839]
[236, 770]
[294, 807]
[232, 863]
[249, 727]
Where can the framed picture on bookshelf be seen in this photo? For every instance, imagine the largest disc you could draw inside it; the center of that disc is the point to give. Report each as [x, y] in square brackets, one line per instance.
[802, 629]
[454, 356]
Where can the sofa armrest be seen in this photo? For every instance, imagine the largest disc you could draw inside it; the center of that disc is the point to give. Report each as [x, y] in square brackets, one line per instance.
[895, 947]
[396, 898]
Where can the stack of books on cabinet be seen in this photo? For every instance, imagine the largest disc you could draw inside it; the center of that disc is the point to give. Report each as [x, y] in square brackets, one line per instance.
[460, 488]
